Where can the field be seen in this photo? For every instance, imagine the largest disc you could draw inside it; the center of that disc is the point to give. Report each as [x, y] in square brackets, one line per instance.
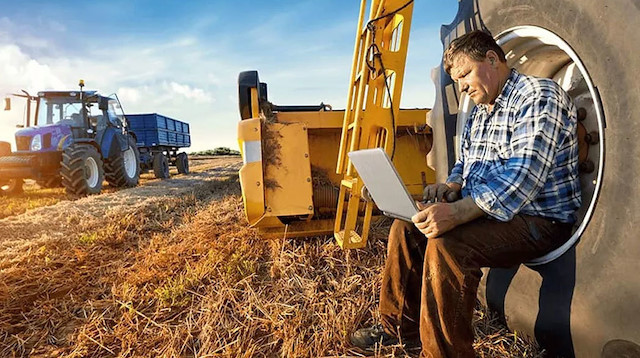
[170, 269]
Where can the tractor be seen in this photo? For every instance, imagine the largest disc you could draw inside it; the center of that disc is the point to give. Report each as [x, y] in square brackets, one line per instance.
[77, 140]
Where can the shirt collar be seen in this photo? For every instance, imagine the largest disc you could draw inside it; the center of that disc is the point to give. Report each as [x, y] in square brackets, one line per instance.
[507, 89]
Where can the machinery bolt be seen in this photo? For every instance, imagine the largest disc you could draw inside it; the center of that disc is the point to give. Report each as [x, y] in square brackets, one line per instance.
[306, 155]
[310, 207]
[587, 167]
[582, 114]
[258, 183]
[592, 137]
[269, 209]
[308, 180]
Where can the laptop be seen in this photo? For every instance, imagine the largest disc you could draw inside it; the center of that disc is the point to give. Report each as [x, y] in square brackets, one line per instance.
[384, 183]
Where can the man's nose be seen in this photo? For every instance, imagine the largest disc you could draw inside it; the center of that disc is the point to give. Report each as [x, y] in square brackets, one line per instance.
[463, 87]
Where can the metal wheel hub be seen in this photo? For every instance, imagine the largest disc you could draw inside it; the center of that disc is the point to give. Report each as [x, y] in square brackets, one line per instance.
[129, 158]
[91, 172]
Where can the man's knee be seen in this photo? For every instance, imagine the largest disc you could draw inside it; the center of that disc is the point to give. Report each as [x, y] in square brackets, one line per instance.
[446, 248]
[400, 234]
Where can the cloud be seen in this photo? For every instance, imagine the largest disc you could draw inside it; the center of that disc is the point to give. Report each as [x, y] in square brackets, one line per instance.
[197, 94]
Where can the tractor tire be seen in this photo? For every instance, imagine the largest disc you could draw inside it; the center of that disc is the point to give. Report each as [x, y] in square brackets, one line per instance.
[160, 166]
[182, 163]
[52, 182]
[81, 170]
[13, 187]
[5, 149]
[581, 303]
[124, 169]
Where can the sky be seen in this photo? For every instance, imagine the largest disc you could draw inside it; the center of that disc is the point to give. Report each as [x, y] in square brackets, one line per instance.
[182, 58]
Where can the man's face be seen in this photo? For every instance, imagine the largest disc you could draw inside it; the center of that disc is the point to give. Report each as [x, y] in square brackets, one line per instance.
[479, 79]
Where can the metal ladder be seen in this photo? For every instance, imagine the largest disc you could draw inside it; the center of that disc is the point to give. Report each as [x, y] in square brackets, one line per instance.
[373, 105]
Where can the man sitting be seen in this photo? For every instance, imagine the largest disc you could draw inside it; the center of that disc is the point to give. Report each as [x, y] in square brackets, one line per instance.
[517, 177]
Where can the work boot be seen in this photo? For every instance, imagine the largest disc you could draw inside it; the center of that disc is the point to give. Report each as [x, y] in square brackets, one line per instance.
[368, 339]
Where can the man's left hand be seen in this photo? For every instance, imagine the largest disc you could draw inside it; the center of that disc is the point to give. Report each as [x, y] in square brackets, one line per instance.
[435, 219]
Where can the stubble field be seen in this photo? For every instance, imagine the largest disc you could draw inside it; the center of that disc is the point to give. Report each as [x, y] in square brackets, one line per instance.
[171, 269]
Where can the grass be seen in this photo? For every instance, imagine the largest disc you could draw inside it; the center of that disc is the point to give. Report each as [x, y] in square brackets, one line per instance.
[185, 277]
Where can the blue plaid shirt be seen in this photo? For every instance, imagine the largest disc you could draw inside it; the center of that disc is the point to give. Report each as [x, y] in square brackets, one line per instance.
[523, 156]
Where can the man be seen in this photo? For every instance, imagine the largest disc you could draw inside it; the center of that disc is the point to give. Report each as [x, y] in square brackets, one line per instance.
[518, 182]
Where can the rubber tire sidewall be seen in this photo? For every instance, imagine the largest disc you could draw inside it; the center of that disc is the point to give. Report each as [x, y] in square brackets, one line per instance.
[160, 166]
[182, 163]
[603, 34]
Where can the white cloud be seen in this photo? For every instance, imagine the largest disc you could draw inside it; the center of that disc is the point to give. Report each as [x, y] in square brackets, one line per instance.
[197, 94]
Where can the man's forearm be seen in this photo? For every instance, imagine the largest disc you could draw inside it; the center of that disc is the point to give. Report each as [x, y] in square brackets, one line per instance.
[466, 210]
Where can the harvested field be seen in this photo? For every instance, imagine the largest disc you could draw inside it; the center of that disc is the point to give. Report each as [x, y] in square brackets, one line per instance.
[170, 269]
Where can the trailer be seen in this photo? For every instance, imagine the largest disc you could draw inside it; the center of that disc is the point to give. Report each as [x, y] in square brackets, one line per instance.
[159, 138]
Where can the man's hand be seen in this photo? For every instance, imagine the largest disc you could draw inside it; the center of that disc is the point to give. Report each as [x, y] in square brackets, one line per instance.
[435, 219]
[440, 192]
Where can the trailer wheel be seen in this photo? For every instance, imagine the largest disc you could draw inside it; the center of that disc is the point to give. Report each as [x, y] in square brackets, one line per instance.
[12, 187]
[124, 169]
[182, 162]
[81, 170]
[587, 295]
[160, 166]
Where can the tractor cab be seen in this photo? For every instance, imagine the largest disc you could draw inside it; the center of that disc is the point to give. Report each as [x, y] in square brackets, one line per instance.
[62, 116]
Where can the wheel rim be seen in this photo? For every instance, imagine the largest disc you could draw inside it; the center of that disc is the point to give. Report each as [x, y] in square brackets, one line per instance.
[91, 172]
[129, 158]
[536, 51]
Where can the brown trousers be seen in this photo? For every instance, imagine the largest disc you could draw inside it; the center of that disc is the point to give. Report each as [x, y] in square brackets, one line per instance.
[429, 287]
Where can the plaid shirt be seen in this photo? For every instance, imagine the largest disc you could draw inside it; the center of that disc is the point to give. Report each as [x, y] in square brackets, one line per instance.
[523, 156]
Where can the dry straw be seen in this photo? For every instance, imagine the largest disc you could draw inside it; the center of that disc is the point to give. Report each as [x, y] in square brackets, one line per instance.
[183, 276]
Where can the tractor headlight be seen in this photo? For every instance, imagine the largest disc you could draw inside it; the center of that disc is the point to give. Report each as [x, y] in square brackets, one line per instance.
[36, 143]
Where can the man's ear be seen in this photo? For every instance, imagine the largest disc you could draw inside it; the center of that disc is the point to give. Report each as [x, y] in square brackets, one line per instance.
[492, 56]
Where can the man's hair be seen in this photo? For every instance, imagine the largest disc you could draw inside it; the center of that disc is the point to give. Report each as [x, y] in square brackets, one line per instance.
[475, 45]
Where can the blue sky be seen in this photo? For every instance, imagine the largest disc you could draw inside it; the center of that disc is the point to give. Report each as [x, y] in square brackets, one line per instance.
[182, 58]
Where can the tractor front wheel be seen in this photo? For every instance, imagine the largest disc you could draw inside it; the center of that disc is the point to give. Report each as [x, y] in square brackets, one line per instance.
[81, 170]
[12, 187]
[160, 166]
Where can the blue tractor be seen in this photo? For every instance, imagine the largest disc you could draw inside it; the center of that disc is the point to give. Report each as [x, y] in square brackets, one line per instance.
[77, 140]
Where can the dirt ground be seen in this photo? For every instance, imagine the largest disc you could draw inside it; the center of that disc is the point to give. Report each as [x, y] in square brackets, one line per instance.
[170, 269]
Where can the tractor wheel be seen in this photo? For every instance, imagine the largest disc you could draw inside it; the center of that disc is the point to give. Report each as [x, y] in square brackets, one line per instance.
[182, 162]
[81, 170]
[51, 182]
[124, 169]
[5, 148]
[160, 166]
[580, 303]
[12, 187]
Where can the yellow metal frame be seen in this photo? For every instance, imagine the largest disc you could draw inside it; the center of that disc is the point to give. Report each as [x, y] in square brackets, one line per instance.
[378, 69]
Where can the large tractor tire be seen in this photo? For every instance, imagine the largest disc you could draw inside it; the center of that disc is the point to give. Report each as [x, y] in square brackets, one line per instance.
[160, 166]
[583, 302]
[81, 170]
[124, 169]
[182, 163]
[12, 187]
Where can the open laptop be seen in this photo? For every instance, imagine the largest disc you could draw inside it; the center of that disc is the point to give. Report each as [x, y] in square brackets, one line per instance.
[383, 182]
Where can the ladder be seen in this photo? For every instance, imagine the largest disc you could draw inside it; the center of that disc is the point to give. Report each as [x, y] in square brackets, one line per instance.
[373, 104]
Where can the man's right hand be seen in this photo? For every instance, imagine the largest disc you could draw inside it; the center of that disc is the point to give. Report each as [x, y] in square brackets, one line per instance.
[440, 192]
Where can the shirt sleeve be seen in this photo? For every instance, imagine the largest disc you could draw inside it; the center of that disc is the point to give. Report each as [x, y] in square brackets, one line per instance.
[536, 133]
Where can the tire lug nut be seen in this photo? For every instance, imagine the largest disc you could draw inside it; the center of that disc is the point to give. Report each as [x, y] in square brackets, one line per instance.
[592, 138]
[582, 114]
[587, 167]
